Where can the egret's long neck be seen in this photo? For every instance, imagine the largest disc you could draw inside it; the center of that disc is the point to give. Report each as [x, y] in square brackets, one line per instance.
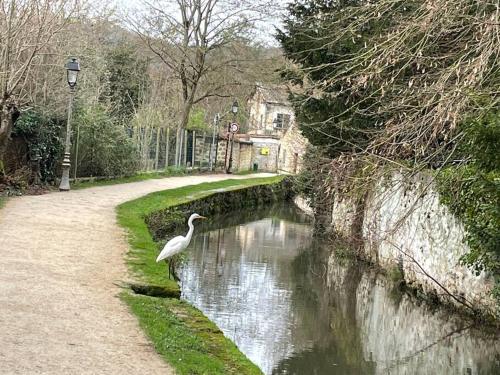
[191, 230]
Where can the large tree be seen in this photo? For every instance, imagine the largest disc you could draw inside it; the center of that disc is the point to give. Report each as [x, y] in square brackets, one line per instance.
[26, 28]
[391, 77]
[188, 35]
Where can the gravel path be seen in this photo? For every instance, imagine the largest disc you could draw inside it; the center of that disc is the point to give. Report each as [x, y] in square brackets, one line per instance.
[61, 256]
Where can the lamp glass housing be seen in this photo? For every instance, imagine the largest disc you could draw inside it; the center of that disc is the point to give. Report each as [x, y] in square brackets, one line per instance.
[72, 69]
[234, 108]
[72, 77]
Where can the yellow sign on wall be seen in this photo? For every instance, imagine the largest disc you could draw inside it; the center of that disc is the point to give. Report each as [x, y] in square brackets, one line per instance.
[264, 151]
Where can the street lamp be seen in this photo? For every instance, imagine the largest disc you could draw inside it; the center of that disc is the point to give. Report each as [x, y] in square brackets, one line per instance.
[72, 69]
[234, 110]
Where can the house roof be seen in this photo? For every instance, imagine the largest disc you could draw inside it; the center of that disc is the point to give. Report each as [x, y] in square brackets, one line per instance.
[274, 94]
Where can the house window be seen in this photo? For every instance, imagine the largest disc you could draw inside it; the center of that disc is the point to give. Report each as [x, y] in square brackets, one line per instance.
[282, 121]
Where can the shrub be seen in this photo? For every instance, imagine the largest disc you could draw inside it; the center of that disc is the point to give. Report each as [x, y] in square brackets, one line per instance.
[472, 192]
[44, 139]
[104, 148]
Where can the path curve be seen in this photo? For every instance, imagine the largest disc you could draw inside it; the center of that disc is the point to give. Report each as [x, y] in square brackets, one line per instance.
[61, 256]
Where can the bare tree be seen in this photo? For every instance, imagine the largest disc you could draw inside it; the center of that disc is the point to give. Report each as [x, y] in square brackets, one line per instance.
[26, 29]
[186, 36]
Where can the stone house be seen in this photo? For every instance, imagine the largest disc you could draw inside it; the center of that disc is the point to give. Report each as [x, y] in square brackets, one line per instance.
[273, 142]
[272, 126]
[270, 111]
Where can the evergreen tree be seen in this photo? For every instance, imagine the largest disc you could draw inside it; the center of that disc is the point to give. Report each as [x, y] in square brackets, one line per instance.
[329, 118]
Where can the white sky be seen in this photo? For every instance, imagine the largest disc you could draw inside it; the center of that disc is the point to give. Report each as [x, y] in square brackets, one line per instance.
[266, 28]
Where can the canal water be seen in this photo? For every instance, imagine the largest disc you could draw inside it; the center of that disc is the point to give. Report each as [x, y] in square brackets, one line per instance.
[294, 308]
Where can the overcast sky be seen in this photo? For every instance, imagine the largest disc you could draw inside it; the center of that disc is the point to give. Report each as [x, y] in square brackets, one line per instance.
[265, 32]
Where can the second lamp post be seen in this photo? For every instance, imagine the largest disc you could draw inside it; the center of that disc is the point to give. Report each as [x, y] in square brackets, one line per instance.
[231, 132]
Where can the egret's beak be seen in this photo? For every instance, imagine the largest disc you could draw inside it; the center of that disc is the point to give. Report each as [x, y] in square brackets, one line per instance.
[202, 217]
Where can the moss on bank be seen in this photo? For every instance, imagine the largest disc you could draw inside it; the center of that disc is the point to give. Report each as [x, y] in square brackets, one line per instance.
[179, 332]
[165, 221]
[187, 339]
[3, 200]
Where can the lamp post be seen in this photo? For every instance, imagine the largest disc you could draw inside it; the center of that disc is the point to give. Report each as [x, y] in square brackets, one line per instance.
[72, 69]
[234, 110]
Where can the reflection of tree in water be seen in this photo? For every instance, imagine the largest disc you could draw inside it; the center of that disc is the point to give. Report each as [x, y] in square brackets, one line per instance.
[327, 319]
[279, 211]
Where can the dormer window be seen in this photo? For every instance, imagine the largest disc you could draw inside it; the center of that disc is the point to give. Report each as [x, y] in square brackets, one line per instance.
[282, 121]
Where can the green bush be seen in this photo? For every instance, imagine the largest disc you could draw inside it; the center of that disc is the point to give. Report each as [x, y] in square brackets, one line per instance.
[473, 196]
[43, 136]
[104, 148]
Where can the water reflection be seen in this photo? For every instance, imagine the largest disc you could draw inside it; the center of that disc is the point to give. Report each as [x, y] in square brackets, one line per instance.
[292, 308]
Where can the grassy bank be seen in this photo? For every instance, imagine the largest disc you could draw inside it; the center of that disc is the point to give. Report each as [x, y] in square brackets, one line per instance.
[179, 332]
[3, 200]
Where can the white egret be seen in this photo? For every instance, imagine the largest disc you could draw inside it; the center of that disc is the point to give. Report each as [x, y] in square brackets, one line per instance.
[177, 244]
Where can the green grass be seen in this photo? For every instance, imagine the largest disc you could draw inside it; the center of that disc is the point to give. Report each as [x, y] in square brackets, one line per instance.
[3, 200]
[178, 331]
[170, 172]
[243, 173]
[190, 342]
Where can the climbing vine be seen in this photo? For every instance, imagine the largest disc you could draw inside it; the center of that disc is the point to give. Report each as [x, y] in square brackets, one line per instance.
[472, 192]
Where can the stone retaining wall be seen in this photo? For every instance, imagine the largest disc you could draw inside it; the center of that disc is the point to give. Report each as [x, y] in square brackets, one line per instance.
[164, 222]
[401, 224]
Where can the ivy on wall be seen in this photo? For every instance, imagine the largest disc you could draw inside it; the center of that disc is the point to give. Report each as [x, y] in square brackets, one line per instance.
[472, 192]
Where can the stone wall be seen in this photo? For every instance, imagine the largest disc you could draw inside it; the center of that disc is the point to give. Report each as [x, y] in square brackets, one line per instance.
[202, 150]
[163, 222]
[293, 148]
[268, 162]
[401, 224]
[242, 155]
[245, 157]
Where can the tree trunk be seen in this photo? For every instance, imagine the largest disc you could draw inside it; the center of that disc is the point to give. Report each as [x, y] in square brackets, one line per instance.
[193, 143]
[8, 114]
[186, 110]
[178, 142]
[185, 149]
[147, 147]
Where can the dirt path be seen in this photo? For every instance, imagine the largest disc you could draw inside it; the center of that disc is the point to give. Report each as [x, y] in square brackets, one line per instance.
[60, 257]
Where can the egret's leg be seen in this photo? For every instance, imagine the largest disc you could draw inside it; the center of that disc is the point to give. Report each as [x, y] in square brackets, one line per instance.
[168, 264]
[174, 266]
